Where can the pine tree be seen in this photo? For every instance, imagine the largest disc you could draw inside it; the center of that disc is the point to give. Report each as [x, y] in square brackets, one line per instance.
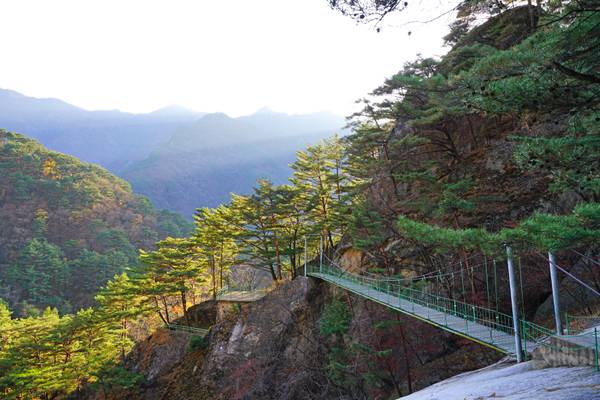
[319, 172]
[255, 220]
[169, 274]
[40, 272]
[214, 240]
[119, 303]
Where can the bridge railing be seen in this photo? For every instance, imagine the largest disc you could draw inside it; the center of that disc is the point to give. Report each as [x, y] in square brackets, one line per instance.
[470, 313]
[579, 323]
[187, 329]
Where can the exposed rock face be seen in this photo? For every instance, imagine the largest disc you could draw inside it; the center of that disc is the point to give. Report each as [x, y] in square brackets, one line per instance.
[352, 260]
[161, 351]
[574, 298]
[203, 315]
[558, 353]
[274, 349]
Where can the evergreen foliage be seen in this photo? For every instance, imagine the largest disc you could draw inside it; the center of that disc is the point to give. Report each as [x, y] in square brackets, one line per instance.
[541, 231]
[408, 171]
[51, 356]
[334, 324]
[67, 227]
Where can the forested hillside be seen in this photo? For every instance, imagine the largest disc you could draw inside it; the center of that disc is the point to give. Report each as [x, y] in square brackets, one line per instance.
[178, 158]
[110, 138]
[66, 227]
[204, 162]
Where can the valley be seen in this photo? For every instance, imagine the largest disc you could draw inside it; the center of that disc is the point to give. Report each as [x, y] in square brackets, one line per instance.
[178, 158]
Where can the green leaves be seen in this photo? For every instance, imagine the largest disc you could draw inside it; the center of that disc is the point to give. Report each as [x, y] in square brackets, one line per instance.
[40, 271]
[50, 355]
[335, 323]
[571, 161]
[544, 232]
[558, 232]
[336, 318]
[367, 227]
[66, 226]
[445, 239]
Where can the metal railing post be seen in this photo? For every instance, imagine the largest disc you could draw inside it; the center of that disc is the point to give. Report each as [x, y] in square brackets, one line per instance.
[524, 336]
[596, 346]
[513, 302]
[555, 292]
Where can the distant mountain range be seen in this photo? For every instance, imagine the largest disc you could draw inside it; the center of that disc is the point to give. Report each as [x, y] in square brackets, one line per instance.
[112, 139]
[179, 158]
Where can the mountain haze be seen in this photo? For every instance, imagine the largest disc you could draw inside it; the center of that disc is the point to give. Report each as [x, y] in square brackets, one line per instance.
[206, 161]
[179, 158]
[109, 138]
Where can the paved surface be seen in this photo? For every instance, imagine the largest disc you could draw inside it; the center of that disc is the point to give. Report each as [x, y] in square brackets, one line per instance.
[240, 296]
[586, 338]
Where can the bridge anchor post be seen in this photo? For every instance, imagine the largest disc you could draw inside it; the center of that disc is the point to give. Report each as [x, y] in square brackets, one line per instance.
[555, 292]
[305, 255]
[321, 255]
[514, 303]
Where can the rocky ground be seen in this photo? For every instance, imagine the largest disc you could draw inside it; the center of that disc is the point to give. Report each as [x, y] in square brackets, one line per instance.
[511, 381]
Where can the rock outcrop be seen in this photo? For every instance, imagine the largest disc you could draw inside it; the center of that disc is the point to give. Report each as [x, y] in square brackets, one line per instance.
[274, 349]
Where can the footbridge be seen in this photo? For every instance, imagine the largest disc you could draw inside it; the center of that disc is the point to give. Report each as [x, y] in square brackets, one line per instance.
[479, 324]
[240, 296]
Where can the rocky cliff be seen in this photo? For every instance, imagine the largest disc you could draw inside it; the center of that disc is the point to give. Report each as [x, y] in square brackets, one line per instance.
[276, 349]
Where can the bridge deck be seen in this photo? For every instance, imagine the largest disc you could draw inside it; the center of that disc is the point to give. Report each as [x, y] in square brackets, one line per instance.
[187, 329]
[241, 296]
[477, 332]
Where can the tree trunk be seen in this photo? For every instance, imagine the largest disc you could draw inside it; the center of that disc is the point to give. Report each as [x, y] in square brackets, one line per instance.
[221, 264]
[164, 301]
[160, 314]
[294, 257]
[184, 306]
[530, 10]
[272, 270]
[213, 274]
[278, 259]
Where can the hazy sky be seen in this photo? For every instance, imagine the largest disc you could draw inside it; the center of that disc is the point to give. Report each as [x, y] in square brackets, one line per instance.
[233, 56]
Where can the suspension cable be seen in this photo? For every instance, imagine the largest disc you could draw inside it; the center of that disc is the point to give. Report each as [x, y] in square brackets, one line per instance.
[586, 257]
[437, 271]
[428, 275]
[572, 276]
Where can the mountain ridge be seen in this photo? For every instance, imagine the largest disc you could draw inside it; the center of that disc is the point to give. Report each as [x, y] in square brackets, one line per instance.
[143, 148]
[66, 219]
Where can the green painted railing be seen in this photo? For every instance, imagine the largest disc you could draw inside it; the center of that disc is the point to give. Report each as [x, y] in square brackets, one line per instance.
[482, 316]
[578, 323]
[187, 329]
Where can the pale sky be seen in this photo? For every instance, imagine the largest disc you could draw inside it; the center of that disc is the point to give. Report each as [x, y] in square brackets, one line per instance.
[232, 56]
